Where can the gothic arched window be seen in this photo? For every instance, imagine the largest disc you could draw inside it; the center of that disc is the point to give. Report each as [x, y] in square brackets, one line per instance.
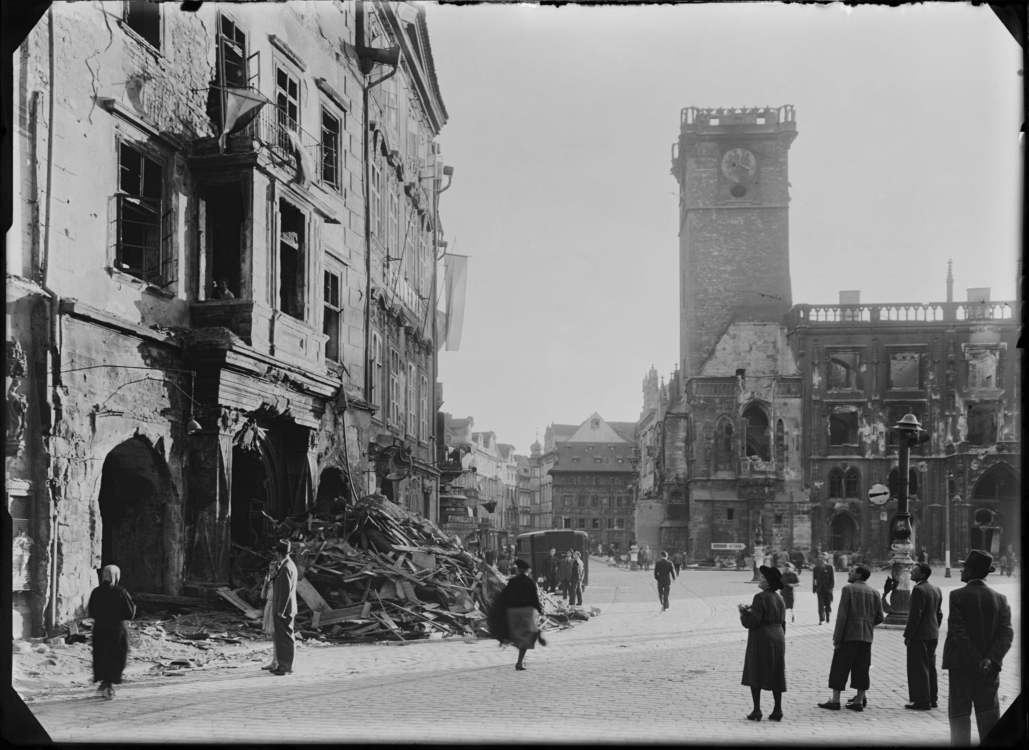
[780, 442]
[851, 483]
[836, 484]
[723, 446]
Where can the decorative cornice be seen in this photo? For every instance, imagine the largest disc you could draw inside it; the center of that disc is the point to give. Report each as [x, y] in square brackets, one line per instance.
[285, 49]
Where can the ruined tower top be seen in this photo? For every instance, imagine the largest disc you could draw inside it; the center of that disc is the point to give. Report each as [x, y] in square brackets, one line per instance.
[736, 119]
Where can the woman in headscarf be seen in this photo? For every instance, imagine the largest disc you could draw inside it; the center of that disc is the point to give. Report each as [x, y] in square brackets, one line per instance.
[521, 599]
[110, 606]
[764, 667]
[790, 581]
[268, 623]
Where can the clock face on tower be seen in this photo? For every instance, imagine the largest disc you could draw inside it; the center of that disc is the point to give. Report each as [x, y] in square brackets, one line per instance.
[739, 164]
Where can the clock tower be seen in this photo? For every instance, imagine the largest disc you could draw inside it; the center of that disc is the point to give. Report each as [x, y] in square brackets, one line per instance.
[734, 260]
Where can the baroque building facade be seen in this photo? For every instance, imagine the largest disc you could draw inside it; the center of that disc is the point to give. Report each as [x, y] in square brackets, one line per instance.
[194, 280]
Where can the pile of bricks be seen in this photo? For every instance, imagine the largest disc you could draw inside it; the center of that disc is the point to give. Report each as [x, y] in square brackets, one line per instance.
[372, 571]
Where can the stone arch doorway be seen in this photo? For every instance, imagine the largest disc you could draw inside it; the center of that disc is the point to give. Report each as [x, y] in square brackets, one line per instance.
[255, 488]
[135, 490]
[843, 533]
[996, 512]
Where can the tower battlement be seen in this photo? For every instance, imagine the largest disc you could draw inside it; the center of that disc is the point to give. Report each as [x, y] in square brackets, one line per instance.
[736, 119]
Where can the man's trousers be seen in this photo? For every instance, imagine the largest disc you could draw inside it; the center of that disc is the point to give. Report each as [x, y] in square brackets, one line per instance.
[575, 592]
[970, 689]
[824, 605]
[851, 658]
[922, 686]
[662, 592]
[285, 646]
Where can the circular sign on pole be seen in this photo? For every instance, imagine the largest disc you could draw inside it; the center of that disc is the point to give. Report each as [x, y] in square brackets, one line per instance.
[878, 494]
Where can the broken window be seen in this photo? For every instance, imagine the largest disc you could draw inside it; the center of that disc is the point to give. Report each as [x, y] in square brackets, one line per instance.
[144, 18]
[595, 523]
[396, 417]
[332, 316]
[843, 426]
[287, 101]
[982, 424]
[851, 484]
[757, 433]
[222, 219]
[982, 367]
[836, 484]
[905, 369]
[331, 129]
[291, 260]
[232, 66]
[845, 370]
[143, 231]
[375, 363]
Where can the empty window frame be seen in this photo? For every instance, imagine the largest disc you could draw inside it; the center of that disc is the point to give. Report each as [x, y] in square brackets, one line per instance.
[594, 523]
[292, 260]
[843, 425]
[982, 368]
[412, 400]
[851, 484]
[905, 369]
[144, 227]
[723, 446]
[836, 484]
[982, 424]
[777, 519]
[287, 102]
[424, 410]
[375, 365]
[332, 128]
[845, 370]
[730, 514]
[144, 18]
[231, 54]
[332, 315]
[396, 417]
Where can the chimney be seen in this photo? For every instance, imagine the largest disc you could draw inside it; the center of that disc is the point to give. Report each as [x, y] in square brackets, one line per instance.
[852, 297]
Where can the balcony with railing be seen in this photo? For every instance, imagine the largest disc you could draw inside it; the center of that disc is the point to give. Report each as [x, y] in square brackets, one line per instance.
[904, 313]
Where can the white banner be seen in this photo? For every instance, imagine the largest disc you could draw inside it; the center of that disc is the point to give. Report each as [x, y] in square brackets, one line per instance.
[455, 279]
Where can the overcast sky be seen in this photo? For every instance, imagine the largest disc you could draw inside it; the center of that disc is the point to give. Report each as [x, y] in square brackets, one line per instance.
[560, 132]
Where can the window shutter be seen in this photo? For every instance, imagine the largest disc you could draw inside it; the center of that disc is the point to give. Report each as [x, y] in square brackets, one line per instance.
[166, 254]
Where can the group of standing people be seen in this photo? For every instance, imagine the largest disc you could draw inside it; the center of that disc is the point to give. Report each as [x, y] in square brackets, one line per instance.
[979, 635]
[566, 574]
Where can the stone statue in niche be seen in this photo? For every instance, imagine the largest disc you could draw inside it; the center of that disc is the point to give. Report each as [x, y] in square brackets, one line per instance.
[22, 555]
[17, 406]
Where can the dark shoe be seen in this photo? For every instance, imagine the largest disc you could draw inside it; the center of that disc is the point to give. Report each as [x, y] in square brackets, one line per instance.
[281, 672]
[754, 716]
[919, 706]
[864, 702]
[831, 705]
[269, 667]
[934, 704]
[519, 668]
[775, 716]
[855, 707]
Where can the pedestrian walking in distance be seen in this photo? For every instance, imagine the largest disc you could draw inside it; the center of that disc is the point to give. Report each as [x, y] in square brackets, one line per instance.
[921, 635]
[268, 623]
[764, 666]
[110, 606]
[522, 601]
[979, 635]
[823, 581]
[551, 571]
[859, 612]
[576, 573]
[677, 561]
[664, 574]
[790, 581]
[284, 600]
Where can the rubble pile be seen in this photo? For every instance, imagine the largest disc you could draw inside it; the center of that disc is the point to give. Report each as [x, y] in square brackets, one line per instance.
[373, 571]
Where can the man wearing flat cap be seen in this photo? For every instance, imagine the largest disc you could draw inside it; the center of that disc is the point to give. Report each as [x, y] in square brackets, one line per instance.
[859, 612]
[979, 634]
[284, 606]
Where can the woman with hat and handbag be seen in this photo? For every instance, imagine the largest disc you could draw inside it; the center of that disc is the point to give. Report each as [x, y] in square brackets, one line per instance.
[764, 666]
[521, 599]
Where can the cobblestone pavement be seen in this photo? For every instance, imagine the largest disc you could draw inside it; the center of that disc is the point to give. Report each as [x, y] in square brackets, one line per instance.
[633, 674]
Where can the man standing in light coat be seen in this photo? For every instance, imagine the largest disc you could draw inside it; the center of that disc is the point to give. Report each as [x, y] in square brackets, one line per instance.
[284, 606]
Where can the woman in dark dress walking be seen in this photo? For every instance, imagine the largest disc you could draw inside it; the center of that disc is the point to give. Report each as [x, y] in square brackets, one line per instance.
[764, 667]
[110, 606]
[790, 581]
[521, 599]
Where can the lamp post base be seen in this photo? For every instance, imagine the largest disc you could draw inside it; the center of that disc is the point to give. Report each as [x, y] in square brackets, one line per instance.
[759, 560]
[900, 600]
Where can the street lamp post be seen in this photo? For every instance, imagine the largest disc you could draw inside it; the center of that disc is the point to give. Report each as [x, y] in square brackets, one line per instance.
[946, 534]
[908, 428]
[759, 550]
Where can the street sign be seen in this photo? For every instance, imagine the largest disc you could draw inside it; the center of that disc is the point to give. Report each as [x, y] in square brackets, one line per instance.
[878, 494]
[727, 545]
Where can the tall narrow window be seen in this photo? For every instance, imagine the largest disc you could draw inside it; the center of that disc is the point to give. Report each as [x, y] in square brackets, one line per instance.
[332, 320]
[780, 442]
[291, 260]
[232, 55]
[139, 245]
[393, 242]
[287, 101]
[843, 425]
[851, 484]
[331, 129]
[723, 446]
[412, 400]
[144, 18]
[376, 207]
[424, 411]
[836, 484]
[375, 365]
[395, 415]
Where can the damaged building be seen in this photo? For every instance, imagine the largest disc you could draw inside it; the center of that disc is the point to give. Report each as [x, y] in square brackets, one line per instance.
[779, 417]
[220, 291]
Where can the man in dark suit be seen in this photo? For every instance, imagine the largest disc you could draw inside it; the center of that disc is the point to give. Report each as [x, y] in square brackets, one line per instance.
[664, 573]
[284, 606]
[576, 573]
[979, 634]
[550, 570]
[860, 611]
[921, 636]
[824, 580]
